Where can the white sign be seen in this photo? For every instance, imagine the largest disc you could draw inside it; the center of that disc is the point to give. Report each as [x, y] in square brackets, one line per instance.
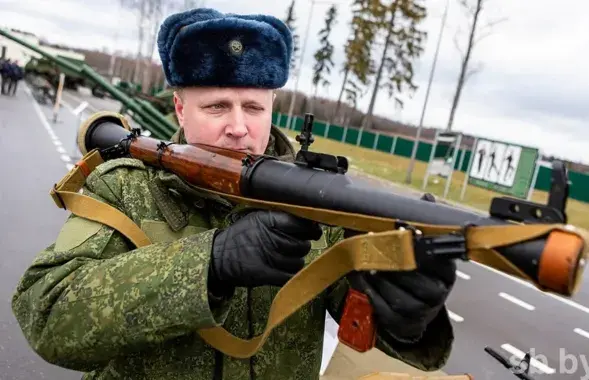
[440, 166]
[495, 162]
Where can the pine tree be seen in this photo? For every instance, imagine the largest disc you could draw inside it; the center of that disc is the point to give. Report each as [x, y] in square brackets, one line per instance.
[359, 64]
[402, 45]
[408, 46]
[290, 23]
[323, 55]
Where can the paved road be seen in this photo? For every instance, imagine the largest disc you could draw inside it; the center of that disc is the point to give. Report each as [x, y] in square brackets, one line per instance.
[487, 308]
[34, 157]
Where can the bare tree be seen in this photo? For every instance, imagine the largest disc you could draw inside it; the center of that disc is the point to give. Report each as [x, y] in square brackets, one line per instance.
[150, 14]
[155, 10]
[474, 9]
[139, 6]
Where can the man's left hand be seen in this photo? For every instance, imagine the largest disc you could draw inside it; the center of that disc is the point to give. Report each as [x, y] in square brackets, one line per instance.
[406, 302]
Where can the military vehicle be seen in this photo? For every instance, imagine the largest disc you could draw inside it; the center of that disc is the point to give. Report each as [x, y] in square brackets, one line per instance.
[50, 70]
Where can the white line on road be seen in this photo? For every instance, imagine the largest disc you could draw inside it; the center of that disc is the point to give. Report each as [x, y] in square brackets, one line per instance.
[531, 286]
[455, 316]
[520, 354]
[47, 127]
[582, 332]
[516, 301]
[462, 275]
[79, 100]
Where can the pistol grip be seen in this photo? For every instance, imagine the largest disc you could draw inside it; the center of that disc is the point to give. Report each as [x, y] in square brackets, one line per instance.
[356, 328]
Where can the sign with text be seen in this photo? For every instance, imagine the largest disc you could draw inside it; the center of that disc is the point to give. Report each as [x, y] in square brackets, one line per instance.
[503, 167]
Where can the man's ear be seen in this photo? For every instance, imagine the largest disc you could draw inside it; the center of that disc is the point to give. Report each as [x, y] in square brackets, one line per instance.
[179, 107]
[274, 94]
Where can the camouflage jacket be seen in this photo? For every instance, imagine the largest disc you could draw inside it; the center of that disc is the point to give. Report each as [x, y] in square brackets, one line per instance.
[92, 302]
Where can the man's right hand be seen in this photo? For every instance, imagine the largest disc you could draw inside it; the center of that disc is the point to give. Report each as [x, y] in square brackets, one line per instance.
[261, 248]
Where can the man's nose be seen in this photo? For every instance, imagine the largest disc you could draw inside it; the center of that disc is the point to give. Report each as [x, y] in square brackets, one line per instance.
[236, 127]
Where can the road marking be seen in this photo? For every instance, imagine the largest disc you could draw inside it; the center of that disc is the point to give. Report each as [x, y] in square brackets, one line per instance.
[455, 316]
[520, 355]
[462, 275]
[516, 301]
[531, 286]
[49, 130]
[582, 332]
[79, 100]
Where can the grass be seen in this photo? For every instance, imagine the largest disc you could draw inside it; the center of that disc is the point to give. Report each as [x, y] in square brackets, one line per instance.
[394, 168]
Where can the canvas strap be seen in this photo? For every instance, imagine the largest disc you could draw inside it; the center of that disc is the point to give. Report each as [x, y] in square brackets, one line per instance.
[66, 194]
[382, 247]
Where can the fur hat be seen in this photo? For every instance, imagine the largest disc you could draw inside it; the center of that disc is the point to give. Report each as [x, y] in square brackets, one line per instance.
[203, 47]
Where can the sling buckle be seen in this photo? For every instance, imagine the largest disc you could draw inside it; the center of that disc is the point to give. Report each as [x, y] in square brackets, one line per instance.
[448, 246]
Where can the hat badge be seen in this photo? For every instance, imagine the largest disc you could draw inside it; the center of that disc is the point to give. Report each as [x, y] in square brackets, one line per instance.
[235, 46]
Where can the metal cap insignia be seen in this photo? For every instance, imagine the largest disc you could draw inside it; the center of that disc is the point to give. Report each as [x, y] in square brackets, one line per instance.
[235, 46]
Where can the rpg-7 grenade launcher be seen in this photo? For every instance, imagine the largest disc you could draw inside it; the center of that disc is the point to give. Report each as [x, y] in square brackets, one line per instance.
[503, 208]
[387, 231]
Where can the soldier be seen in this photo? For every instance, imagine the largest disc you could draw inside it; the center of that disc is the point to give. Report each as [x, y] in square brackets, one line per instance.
[15, 75]
[94, 303]
[5, 69]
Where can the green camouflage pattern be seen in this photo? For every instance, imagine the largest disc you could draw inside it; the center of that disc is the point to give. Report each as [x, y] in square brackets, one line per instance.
[92, 302]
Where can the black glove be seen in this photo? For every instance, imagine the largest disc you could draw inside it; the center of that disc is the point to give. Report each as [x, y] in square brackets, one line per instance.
[261, 248]
[406, 302]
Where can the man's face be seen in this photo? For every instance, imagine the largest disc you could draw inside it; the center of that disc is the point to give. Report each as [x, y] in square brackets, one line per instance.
[232, 118]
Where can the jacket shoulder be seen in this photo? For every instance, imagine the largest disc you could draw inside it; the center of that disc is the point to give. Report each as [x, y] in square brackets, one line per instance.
[124, 163]
[115, 180]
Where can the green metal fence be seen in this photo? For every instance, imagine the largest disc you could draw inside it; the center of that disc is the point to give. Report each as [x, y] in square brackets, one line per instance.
[399, 146]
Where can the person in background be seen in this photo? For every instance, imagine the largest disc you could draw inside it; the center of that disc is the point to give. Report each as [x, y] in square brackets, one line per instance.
[5, 70]
[16, 73]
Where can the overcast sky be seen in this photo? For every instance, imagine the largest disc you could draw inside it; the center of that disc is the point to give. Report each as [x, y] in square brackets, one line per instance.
[533, 87]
